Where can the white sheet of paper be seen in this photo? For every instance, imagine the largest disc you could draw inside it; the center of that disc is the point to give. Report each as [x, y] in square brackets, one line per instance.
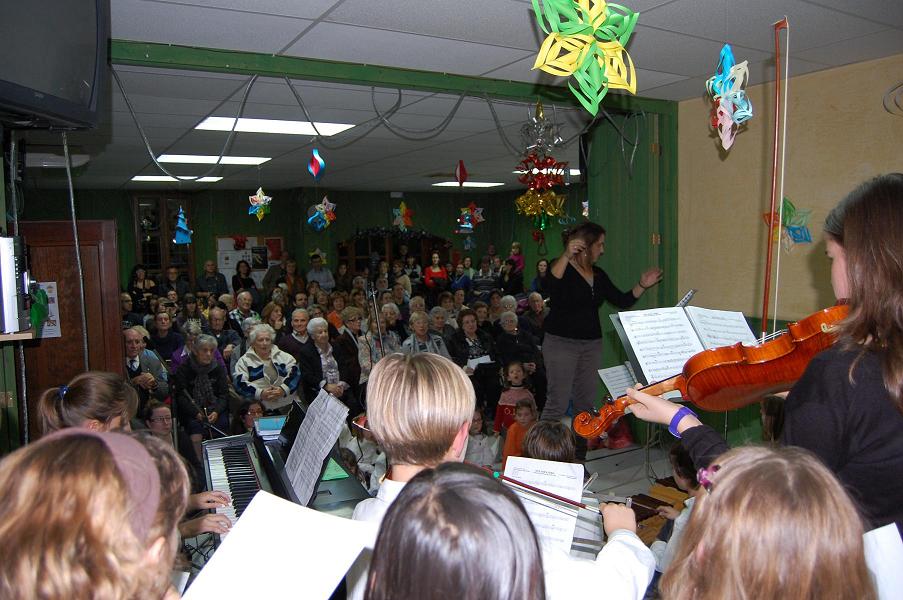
[717, 328]
[663, 340]
[884, 557]
[316, 436]
[473, 362]
[308, 557]
[617, 380]
[554, 521]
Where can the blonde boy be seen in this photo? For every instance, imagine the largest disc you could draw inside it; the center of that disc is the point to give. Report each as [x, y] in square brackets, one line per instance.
[419, 408]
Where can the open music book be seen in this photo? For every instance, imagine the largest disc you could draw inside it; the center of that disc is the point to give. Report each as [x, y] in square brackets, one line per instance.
[663, 339]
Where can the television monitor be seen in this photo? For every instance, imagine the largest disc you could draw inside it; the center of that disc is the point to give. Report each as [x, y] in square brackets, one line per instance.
[55, 56]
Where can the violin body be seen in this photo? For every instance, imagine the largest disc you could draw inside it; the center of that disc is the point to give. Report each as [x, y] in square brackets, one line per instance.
[731, 377]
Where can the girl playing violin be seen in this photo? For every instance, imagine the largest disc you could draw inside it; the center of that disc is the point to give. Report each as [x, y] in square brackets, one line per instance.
[848, 406]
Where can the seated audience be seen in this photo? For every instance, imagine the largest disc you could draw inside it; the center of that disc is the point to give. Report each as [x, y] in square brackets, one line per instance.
[290, 279]
[535, 317]
[144, 370]
[293, 342]
[447, 302]
[163, 340]
[399, 277]
[515, 391]
[158, 420]
[525, 416]
[90, 515]
[421, 340]
[344, 280]
[246, 326]
[266, 373]
[336, 306]
[439, 325]
[392, 321]
[141, 289]
[483, 282]
[181, 355]
[482, 448]
[460, 280]
[190, 313]
[469, 343]
[202, 393]
[325, 366]
[514, 344]
[173, 282]
[511, 280]
[242, 311]
[272, 315]
[539, 283]
[129, 318]
[320, 274]
[211, 282]
[227, 339]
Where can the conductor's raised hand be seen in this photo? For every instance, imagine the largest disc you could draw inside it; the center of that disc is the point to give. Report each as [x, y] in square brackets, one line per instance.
[617, 516]
[575, 247]
[651, 277]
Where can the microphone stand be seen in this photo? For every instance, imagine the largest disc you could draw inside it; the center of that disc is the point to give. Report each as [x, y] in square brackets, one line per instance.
[207, 424]
[372, 293]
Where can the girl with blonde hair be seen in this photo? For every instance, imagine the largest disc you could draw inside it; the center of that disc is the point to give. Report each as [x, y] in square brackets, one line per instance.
[774, 524]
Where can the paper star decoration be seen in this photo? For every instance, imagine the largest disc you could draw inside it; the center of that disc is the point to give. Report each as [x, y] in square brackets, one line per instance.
[794, 227]
[731, 107]
[260, 204]
[321, 215]
[404, 216]
[586, 40]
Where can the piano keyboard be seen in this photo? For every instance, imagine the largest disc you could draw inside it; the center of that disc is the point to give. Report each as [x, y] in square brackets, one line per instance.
[233, 466]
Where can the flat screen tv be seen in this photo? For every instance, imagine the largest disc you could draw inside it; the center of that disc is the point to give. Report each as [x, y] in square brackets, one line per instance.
[54, 56]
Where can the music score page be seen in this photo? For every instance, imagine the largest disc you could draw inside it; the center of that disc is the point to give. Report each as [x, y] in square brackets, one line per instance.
[662, 339]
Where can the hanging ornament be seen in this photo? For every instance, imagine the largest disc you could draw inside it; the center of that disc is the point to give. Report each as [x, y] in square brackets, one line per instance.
[471, 216]
[460, 173]
[540, 135]
[183, 234]
[260, 204]
[469, 244]
[316, 166]
[320, 216]
[586, 209]
[794, 227]
[404, 216]
[730, 105]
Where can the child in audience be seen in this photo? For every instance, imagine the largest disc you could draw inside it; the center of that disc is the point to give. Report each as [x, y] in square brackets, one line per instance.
[85, 514]
[482, 449]
[524, 418]
[685, 476]
[516, 391]
[419, 408]
[773, 524]
[517, 256]
[550, 440]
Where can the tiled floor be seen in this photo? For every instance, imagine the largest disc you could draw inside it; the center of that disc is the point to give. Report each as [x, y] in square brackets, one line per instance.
[626, 471]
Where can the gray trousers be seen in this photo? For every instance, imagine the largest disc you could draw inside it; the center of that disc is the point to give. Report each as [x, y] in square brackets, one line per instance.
[571, 368]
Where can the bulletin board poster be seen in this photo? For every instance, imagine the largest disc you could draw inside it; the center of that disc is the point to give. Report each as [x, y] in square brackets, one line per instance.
[259, 258]
[274, 249]
[51, 326]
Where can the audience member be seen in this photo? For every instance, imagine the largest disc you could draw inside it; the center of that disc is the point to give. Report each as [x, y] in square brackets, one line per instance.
[392, 321]
[293, 342]
[290, 279]
[242, 311]
[300, 300]
[447, 302]
[190, 313]
[344, 280]
[438, 324]
[141, 288]
[350, 339]
[246, 326]
[517, 256]
[129, 318]
[412, 270]
[202, 393]
[470, 347]
[421, 340]
[535, 316]
[482, 449]
[468, 267]
[266, 373]
[511, 280]
[144, 371]
[325, 366]
[483, 281]
[248, 412]
[524, 417]
[514, 344]
[158, 420]
[211, 282]
[227, 339]
[514, 392]
[242, 281]
[399, 277]
[182, 354]
[272, 315]
[550, 440]
[174, 282]
[495, 306]
[538, 284]
[336, 306]
[460, 280]
[320, 273]
[435, 278]
[273, 273]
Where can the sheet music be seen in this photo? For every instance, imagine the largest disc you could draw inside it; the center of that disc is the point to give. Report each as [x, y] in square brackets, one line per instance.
[301, 546]
[316, 436]
[554, 521]
[717, 328]
[473, 363]
[662, 339]
[883, 557]
[617, 379]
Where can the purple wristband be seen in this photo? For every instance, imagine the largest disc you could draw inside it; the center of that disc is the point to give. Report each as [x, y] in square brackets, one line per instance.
[680, 414]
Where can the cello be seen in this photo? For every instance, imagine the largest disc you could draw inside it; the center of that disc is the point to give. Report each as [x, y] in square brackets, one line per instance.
[731, 377]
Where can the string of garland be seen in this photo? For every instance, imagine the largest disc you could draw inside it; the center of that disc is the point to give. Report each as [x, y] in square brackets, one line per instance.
[394, 232]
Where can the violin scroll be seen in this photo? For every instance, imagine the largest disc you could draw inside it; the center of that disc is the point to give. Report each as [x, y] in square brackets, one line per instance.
[593, 425]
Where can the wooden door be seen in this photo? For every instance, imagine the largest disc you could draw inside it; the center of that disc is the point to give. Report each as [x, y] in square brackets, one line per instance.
[53, 361]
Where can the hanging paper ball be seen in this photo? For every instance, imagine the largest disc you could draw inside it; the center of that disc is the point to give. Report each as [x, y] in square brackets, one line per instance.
[316, 166]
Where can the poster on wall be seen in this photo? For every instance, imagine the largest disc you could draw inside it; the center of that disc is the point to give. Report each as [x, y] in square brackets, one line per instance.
[227, 259]
[259, 258]
[274, 249]
[51, 327]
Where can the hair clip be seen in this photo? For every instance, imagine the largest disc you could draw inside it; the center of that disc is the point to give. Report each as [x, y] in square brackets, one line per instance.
[705, 477]
[62, 391]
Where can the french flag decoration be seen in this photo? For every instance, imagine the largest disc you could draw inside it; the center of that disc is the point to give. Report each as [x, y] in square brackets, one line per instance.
[316, 166]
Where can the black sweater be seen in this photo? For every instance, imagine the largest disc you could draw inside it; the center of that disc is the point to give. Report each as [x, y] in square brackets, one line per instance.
[854, 428]
[575, 305]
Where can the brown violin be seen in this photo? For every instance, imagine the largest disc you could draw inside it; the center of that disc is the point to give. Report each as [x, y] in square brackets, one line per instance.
[723, 379]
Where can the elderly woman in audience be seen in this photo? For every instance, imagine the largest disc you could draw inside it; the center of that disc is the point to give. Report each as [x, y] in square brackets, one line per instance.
[324, 366]
[518, 345]
[421, 340]
[202, 392]
[351, 339]
[535, 317]
[181, 355]
[90, 515]
[380, 345]
[447, 301]
[495, 306]
[391, 320]
[246, 326]
[439, 323]
[471, 346]
[399, 277]
[266, 373]
[164, 340]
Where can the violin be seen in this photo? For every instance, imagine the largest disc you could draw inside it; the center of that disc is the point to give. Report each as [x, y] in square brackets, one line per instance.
[731, 377]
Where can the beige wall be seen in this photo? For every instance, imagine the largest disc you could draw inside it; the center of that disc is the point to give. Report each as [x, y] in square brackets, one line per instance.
[838, 135]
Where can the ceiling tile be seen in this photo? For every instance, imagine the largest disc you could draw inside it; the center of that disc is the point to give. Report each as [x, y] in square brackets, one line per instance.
[500, 22]
[750, 24]
[308, 9]
[868, 47]
[198, 26]
[880, 11]
[377, 47]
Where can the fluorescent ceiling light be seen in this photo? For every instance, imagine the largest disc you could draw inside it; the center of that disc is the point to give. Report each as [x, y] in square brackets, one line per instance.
[474, 184]
[272, 126]
[575, 172]
[173, 179]
[204, 159]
